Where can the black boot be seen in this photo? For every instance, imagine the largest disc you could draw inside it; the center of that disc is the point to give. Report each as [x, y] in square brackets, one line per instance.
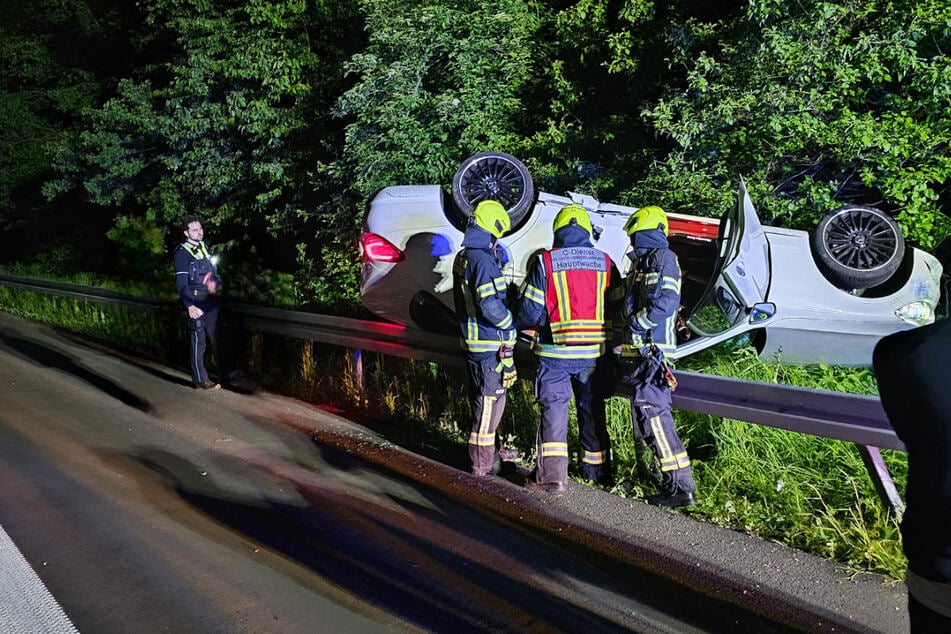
[676, 499]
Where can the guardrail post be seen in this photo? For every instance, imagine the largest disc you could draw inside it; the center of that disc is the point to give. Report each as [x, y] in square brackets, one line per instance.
[881, 478]
[358, 373]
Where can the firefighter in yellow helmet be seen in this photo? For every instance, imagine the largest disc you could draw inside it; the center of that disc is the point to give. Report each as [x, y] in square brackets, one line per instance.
[649, 314]
[566, 298]
[487, 330]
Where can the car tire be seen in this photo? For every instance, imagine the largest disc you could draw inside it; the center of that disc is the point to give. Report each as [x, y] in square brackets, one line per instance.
[492, 176]
[858, 247]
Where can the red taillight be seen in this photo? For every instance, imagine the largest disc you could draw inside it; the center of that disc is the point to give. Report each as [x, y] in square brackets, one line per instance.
[379, 249]
[695, 228]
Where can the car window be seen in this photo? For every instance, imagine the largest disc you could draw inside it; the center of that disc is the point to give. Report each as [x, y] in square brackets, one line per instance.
[720, 311]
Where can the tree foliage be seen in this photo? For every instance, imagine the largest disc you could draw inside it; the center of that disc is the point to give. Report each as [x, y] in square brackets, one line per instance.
[438, 81]
[814, 102]
[221, 126]
[57, 56]
[275, 120]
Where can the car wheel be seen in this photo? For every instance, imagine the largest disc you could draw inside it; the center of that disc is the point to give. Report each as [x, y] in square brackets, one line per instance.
[493, 176]
[858, 247]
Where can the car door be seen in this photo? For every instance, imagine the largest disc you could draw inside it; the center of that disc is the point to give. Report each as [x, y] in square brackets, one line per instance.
[734, 301]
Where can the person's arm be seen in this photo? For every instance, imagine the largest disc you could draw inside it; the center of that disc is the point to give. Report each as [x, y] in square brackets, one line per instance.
[531, 311]
[488, 283]
[666, 297]
[181, 260]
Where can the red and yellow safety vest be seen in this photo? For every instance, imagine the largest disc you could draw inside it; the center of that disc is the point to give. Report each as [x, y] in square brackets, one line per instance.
[577, 280]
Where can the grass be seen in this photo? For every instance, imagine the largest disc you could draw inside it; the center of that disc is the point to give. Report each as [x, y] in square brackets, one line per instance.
[809, 493]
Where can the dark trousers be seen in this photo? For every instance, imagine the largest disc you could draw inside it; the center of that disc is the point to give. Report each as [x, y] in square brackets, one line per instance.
[201, 333]
[487, 397]
[556, 381]
[654, 422]
[590, 398]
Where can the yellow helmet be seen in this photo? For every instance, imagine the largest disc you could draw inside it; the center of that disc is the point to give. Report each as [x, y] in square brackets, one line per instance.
[491, 216]
[573, 212]
[646, 218]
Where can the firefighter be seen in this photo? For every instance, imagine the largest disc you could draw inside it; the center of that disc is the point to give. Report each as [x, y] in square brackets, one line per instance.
[487, 328]
[198, 285]
[649, 315]
[565, 297]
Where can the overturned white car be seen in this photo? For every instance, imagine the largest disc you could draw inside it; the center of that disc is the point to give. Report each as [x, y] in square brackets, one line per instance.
[804, 297]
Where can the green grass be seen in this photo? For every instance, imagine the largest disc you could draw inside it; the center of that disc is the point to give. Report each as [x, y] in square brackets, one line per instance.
[809, 493]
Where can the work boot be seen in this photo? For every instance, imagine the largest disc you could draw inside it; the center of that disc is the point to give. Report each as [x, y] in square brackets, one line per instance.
[496, 464]
[674, 500]
[598, 475]
[547, 487]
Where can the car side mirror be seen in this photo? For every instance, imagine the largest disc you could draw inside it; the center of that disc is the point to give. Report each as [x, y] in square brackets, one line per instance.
[596, 232]
[761, 312]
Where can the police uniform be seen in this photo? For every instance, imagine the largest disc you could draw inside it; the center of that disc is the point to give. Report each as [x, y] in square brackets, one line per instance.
[193, 264]
[566, 296]
[649, 312]
[486, 324]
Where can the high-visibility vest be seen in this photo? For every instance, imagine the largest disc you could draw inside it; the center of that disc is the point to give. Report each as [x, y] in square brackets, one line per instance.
[577, 281]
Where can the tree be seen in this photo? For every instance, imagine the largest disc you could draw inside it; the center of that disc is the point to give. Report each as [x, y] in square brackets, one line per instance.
[224, 126]
[229, 122]
[814, 103]
[438, 81]
[58, 57]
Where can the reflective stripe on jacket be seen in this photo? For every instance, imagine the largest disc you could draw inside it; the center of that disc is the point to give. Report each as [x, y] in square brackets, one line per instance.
[651, 302]
[565, 294]
[192, 263]
[577, 282]
[479, 294]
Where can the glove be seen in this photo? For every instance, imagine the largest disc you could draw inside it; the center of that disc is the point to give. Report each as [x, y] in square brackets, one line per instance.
[509, 373]
[670, 379]
[506, 365]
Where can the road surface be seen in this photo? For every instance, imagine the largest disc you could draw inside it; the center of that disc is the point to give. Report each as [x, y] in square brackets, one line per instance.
[144, 505]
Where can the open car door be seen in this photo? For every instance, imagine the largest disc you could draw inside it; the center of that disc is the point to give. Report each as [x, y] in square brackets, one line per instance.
[734, 300]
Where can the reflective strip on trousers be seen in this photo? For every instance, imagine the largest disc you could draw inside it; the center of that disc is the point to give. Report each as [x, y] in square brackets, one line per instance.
[669, 461]
[485, 435]
[554, 449]
[593, 457]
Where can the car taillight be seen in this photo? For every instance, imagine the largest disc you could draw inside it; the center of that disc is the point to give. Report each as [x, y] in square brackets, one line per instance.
[379, 249]
[695, 228]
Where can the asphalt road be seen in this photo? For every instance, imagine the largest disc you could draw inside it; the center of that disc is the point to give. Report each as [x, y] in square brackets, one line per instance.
[146, 506]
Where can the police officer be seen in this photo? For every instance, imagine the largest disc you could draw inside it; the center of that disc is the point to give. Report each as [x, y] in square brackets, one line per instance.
[198, 285]
[487, 330]
[649, 313]
[566, 296]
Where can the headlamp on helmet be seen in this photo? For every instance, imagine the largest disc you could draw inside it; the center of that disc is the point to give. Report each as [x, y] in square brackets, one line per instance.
[646, 218]
[491, 216]
[572, 214]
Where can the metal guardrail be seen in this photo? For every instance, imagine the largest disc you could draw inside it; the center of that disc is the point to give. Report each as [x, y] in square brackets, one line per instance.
[847, 417]
[76, 291]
